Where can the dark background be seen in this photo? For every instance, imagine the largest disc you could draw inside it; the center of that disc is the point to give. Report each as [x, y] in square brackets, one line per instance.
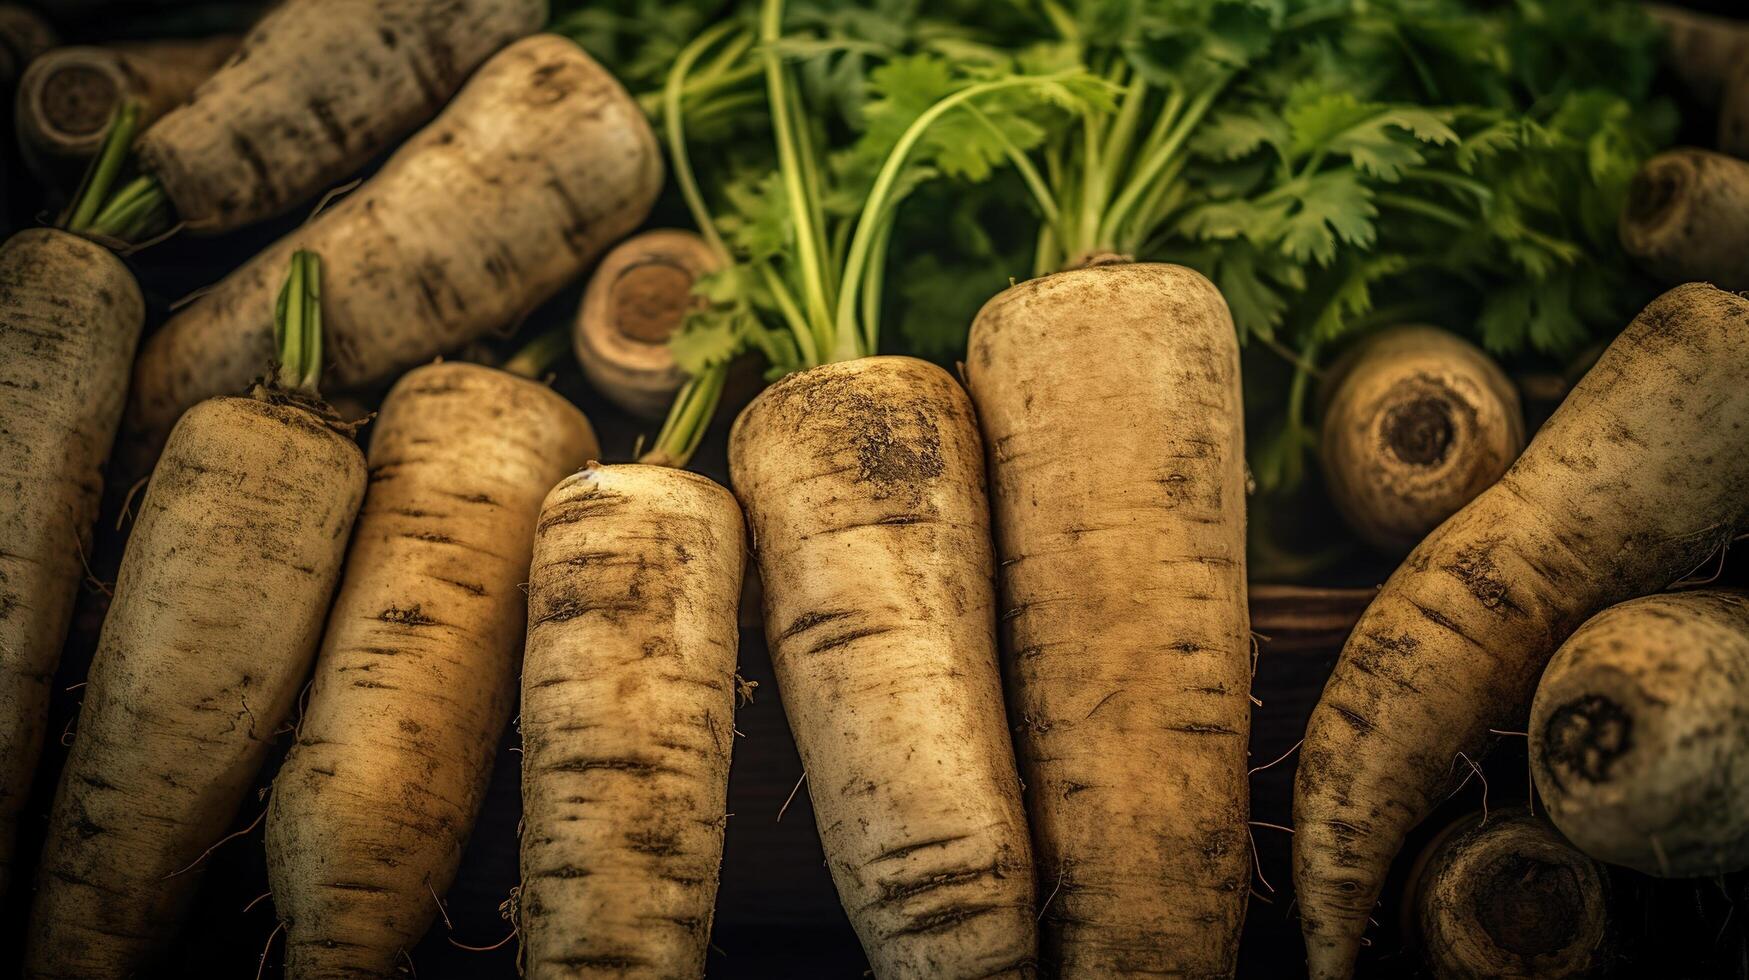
[777, 913]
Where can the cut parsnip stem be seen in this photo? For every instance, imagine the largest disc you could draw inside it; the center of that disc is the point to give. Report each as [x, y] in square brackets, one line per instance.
[1417, 422]
[1637, 732]
[1500, 896]
[67, 95]
[634, 303]
[1687, 218]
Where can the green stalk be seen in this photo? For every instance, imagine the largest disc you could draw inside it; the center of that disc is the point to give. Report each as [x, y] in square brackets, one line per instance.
[297, 325]
[814, 191]
[1426, 209]
[685, 428]
[1023, 165]
[1152, 168]
[536, 358]
[808, 258]
[105, 167]
[1123, 132]
[848, 340]
[791, 313]
[871, 294]
[672, 118]
[135, 212]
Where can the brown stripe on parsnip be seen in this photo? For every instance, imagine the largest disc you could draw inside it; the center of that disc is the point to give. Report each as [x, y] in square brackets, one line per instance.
[323, 112]
[564, 610]
[411, 616]
[251, 155]
[908, 849]
[892, 892]
[353, 886]
[1192, 728]
[945, 919]
[846, 638]
[1361, 725]
[619, 963]
[807, 621]
[471, 588]
[631, 767]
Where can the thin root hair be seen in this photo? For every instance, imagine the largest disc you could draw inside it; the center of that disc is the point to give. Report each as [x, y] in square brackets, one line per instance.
[221, 842]
[444, 912]
[261, 965]
[1062, 872]
[127, 502]
[91, 579]
[1278, 759]
[1257, 860]
[792, 795]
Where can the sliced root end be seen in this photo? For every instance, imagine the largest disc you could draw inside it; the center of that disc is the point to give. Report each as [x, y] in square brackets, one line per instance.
[1420, 432]
[1585, 737]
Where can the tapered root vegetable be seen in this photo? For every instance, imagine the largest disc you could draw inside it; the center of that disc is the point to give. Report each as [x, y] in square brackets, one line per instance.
[1637, 732]
[217, 611]
[1701, 49]
[67, 95]
[863, 482]
[317, 89]
[1687, 218]
[539, 164]
[417, 674]
[70, 315]
[1417, 423]
[636, 300]
[1123, 618]
[23, 36]
[1502, 897]
[1636, 479]
[628, 703]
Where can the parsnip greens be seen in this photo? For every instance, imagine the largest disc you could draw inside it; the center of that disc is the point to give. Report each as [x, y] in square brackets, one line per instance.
[1334, 166]
[806, 239]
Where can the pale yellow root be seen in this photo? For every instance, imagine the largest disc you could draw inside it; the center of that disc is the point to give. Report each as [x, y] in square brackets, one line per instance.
[1638, 735]
[628, 717]
[318, 88]
[70, 315]
[417, 674]
[863, 482]
[636, 299]
[1418, 421]
[1687, 218]
[1502, 897]
[1634, 482]
[67, 95]
[217, 611]
[535, 168]
[1109, 399]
